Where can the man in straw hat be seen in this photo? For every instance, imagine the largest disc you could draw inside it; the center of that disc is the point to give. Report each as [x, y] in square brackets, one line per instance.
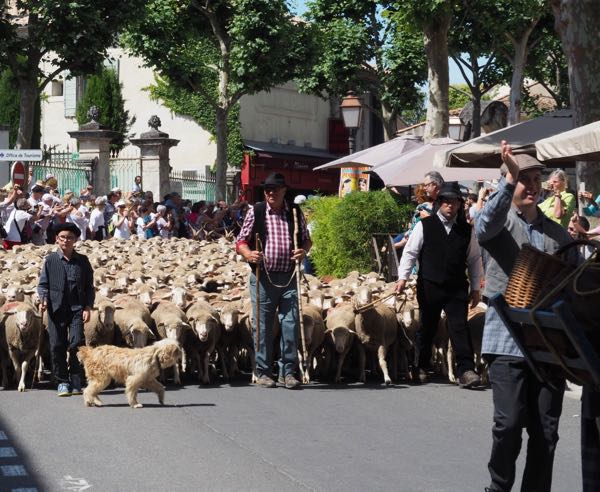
[273, 222]
[66, 290]
[445, 246]
[509, 219]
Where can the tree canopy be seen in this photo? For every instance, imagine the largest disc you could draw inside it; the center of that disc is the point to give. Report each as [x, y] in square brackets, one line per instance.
[221, 49]
[70, 35]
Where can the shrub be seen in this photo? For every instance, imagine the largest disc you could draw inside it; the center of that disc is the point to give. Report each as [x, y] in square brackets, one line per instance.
[343, 229]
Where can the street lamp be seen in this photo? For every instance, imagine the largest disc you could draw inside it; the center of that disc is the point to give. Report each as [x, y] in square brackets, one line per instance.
[351, 112]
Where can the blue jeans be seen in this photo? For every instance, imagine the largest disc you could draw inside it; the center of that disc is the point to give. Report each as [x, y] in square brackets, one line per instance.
[272, 298]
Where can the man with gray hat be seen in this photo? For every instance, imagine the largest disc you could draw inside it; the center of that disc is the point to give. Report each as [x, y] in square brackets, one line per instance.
[445, 246]
[509, 219]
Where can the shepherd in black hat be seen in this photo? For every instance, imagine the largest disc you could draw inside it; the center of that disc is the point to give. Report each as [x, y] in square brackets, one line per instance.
[66, 290]
[445, 246]
[275, 254]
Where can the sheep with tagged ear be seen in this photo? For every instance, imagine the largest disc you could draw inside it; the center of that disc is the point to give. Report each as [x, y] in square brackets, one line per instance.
[20, 338]
[202, 341]
[341, 332]
[15, 293]
[230, 315]
[133, 319]
[172, 323]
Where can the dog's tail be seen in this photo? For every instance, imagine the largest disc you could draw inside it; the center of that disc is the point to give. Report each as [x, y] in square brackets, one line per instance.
[84, 353]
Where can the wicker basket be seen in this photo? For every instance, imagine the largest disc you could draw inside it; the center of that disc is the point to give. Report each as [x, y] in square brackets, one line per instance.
[532, 272]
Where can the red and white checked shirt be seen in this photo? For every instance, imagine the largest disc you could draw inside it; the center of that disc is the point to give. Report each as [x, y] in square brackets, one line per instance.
[277, 251]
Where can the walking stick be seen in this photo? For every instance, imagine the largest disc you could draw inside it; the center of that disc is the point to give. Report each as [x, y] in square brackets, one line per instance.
[299, 289]
[257, 317]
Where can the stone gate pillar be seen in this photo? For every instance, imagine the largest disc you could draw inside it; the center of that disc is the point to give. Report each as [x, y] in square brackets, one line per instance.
[93, 141]
[154, 146]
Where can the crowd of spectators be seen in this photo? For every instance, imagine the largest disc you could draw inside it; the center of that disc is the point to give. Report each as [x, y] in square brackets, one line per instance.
[30, 214]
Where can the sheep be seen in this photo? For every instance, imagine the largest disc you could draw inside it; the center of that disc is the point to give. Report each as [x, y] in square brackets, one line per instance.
[341, 332]
[171, 322]
[229, 314]
[22, 338]
[377, 331]
[100, 328]
[133, 319]
[207, 330]
[314, 336]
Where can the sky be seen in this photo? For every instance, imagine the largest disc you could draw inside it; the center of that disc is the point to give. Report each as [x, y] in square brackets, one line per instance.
[299, 6]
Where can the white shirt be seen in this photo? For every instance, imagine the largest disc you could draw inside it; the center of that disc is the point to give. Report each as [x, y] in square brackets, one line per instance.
[97, 220]
[161, 223]
[123, 231]
[140, 227]
[16, 217]
[410, 255]
[80, 220]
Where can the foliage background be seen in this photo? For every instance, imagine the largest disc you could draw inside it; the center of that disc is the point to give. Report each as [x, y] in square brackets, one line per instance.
[343, 227]
[104, 91]
[9, 109]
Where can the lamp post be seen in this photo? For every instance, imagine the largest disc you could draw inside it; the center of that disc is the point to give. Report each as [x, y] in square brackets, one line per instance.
[351, 112]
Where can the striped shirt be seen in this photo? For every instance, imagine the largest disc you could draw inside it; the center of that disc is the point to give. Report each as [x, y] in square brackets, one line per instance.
[277, 251]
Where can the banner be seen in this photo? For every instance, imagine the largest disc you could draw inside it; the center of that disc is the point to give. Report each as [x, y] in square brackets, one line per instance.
[353, 179]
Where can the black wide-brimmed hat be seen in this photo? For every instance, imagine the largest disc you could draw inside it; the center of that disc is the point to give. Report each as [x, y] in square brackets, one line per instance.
[274, 180]
[450, 189]
[67, 226]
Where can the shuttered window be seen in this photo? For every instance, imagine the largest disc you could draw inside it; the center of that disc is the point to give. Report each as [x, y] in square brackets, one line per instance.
[70, 95]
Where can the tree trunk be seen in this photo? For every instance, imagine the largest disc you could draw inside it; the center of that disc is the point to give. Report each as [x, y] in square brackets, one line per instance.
[476, 122]
[516, 83]
[577, 25]
[221, 163]
[436, 48]
[388, 119]
[29, 94]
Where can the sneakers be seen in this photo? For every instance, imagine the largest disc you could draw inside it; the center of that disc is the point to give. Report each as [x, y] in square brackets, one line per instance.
[290, 382]
[76, 385]
[469, 380]
[64, 390]
[265, 381]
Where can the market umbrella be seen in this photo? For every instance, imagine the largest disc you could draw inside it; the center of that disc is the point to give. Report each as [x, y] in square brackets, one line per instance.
[582, 144]
[410, 168]
[377, 154]
[484, 151]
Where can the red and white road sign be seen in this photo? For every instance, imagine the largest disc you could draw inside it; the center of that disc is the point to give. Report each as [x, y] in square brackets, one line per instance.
[18, 173]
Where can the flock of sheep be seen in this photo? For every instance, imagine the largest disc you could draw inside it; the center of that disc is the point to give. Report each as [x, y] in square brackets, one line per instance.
[195, 292]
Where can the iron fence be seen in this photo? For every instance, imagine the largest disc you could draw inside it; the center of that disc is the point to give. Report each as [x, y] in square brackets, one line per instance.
[124, 167]
[70, 173]
[193, 185]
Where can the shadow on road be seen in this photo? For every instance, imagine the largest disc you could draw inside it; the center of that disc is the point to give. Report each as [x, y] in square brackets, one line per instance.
[16, 471]
[158, 405]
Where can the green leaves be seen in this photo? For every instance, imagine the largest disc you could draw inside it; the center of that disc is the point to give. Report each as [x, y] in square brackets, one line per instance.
[343, 229]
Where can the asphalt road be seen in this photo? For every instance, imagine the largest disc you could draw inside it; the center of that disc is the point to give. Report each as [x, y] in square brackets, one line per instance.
[430, 438]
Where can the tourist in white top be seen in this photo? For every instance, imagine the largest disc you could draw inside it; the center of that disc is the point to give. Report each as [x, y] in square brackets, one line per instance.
[97, 225]
[122, 221]
[164, 222]
[16, 222]
[78, 215]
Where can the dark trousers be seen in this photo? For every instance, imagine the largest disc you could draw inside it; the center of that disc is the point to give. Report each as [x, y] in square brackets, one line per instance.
[454, 301]
[590, 440]
[520, 400]
[65, 330]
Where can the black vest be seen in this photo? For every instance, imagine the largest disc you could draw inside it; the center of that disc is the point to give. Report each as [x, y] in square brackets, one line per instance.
[443, 257]
[260, 227]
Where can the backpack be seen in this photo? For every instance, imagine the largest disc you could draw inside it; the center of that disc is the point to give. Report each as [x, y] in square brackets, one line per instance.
[26, 233]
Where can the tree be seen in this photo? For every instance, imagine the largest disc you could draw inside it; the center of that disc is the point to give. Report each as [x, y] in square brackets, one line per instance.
[237, 47]
[577, 25]
[103, 90]
[9, 104]
[70, 35]
[472, 47]
[360, 48]
[432, 18]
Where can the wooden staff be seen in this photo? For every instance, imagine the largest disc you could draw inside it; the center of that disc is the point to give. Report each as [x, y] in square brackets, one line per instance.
[299, 296]
[257, 320]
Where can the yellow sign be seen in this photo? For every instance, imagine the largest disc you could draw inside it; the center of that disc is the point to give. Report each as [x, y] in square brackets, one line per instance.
[353, 179]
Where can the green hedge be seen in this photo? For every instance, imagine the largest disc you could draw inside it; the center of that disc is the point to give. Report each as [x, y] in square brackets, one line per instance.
[343, 227]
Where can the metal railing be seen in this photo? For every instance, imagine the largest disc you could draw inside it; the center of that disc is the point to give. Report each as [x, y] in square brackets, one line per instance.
[70, 173]
[124, 167]
[193, 185]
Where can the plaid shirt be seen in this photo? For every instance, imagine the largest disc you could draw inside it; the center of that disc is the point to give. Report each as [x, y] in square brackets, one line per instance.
[278, 248]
